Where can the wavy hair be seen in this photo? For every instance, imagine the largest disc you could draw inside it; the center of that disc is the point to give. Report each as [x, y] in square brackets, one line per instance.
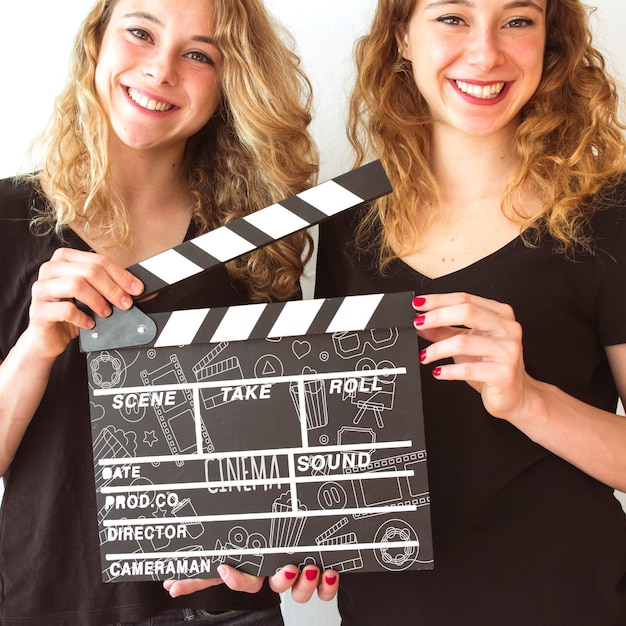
[254, 151]
[569, 145]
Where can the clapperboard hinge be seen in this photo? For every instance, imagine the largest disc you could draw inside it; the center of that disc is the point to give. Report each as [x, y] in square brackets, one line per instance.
[308, 208]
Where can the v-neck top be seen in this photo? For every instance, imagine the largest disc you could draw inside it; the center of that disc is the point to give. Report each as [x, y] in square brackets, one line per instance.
[520, 536]
[50, 570]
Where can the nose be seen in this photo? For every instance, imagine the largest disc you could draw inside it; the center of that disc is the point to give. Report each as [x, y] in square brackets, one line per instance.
[161, 67]
[484, 50]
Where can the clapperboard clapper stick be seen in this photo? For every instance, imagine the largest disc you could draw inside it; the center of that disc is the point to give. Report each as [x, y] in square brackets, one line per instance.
[298, 212]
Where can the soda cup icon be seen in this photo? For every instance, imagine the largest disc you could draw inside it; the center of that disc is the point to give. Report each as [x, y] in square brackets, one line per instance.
[314, 405]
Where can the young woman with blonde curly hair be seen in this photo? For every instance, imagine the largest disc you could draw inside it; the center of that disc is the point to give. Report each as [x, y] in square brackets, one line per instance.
[498, 126]
[178, 116]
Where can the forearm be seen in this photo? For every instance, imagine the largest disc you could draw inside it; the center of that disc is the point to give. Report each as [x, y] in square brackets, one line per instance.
[589, 438]
[24, 376]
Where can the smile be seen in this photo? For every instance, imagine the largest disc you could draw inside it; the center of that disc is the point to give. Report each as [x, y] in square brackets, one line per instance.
[148, 103]
[483, 92]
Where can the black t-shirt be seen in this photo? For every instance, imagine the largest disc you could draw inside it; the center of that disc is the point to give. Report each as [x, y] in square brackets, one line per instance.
[49, 548]
[521, 537]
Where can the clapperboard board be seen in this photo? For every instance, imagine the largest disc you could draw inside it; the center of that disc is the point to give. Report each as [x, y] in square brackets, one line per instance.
[262, 434]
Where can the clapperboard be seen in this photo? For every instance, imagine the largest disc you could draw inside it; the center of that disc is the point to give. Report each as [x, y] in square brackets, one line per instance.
[262, 434]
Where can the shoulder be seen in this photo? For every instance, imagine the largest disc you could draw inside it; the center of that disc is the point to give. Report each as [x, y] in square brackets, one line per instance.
[608, 219]
[17, 197]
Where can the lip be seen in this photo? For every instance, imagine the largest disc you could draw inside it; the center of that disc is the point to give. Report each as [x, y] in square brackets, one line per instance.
[148, 102]
[486, 87]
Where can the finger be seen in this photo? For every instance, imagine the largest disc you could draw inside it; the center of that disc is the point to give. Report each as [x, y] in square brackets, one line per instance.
[111, 282]
[238, 580]
[442, 300]
[284, 578]
[463, 345]
[306, 584]
[328, 585]
[469, 316]
[64, 292]
[178, 588]
[46, 314]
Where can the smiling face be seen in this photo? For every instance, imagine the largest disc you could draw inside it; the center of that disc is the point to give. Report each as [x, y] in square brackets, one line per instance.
[158, 71]
[476, 62]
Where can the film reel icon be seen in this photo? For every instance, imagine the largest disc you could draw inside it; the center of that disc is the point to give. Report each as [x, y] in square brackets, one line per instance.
[108, 370]
[400, 558]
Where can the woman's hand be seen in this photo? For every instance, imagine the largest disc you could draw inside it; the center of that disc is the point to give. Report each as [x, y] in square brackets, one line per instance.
[485, 342]
[72, 275]
[302, 584]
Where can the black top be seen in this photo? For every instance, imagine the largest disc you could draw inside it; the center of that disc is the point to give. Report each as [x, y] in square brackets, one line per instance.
[521, 537]
[49, 549]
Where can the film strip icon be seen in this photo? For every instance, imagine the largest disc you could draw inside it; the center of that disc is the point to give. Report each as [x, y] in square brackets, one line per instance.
[175, 420]
[409, 491]
[262, 227]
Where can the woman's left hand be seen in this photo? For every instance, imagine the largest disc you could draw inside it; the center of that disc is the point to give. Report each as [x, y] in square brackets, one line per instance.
[302, 584]
[485, 342]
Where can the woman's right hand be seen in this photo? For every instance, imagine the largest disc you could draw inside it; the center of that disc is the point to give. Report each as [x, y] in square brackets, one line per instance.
[70, 276]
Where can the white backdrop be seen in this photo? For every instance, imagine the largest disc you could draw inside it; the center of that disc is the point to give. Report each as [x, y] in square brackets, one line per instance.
[35, 40]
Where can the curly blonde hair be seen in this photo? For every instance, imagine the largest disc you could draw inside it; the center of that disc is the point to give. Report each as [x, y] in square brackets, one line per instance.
[569, 145]
[254, 151]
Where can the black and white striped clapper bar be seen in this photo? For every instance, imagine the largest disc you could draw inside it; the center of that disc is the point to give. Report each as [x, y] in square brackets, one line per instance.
[298, 212]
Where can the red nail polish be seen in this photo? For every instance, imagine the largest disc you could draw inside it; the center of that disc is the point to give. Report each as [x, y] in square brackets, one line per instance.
[419, 320]
[310, 574]
[422, 356]
[289, 575]
[437, 372]
[419, 302]
[330, 580]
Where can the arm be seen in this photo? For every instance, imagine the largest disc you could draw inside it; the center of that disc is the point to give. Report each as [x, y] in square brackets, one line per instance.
[54, 321]
[487, 354]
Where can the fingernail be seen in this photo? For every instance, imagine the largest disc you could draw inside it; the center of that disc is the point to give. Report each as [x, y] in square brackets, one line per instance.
[422, 356]
[310, 574]
[126, 302]
[289, 575]
[419, 302]
[107, 311]
[137, 287]
[330, 580]
[437, 372]
[419, 320]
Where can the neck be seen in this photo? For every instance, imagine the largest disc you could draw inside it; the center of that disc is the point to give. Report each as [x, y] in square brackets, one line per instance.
[148, 182]
[468, 166]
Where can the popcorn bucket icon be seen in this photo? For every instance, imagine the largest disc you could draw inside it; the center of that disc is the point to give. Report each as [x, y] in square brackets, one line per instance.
[286, 531]
[314, 405]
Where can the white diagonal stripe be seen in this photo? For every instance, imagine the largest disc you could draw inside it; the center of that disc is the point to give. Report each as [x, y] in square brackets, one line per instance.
[296, 318]
[330, 198]
[276, 221]
[355, 313]
[238, 322]
[223, 244]
[181, 328]
[170, 266]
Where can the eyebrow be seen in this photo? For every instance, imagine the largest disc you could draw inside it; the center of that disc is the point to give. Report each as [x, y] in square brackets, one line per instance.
[152, 18]
[467, 3]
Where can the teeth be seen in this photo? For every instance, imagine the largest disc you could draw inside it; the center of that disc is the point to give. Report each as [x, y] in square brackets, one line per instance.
[485, 92]
[147, 103]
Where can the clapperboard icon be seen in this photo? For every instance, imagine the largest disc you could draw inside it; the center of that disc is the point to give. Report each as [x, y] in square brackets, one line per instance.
[262, 434]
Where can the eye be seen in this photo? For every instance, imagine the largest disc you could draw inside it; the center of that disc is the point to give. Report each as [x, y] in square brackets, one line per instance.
[451, 20]
[519, 22]
[140, 33]
[201, 57]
